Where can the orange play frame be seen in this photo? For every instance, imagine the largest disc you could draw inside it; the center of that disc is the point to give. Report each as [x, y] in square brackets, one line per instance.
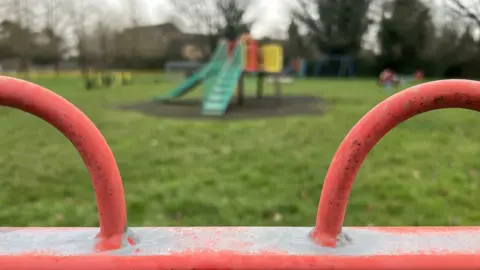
[251, 56]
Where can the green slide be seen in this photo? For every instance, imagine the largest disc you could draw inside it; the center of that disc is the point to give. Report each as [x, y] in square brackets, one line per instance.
[218, 59]
[220, 87]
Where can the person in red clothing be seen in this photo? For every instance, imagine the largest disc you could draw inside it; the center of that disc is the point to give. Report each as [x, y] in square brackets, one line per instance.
[385, 76]
[418, 75]
[388, 78]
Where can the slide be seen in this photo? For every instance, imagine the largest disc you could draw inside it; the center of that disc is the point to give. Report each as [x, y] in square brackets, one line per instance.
[217, 60]
[220, 88]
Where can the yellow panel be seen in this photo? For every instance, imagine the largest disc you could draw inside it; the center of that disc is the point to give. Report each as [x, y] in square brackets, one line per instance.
[272, 58]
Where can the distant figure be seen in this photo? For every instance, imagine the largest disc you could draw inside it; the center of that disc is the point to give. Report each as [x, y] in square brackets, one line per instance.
[418, 75]
[385, 76]
[388, 78]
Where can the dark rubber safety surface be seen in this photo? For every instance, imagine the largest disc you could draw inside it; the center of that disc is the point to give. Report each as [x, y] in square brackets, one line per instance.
[250, 109]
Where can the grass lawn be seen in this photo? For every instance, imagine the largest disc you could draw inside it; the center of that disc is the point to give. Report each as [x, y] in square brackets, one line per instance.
[249, 172]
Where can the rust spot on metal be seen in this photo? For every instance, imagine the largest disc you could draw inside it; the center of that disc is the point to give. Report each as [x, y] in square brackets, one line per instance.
[464, 98]
[369, 130]
[356, 143]
[439, 100]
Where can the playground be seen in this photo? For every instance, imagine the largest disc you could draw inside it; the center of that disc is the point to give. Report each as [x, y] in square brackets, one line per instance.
[222, 81]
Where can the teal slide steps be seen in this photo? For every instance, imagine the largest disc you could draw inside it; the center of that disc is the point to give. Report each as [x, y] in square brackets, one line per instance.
[221, 87]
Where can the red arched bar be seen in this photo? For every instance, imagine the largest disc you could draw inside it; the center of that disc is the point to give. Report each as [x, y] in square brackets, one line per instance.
[368, 131]
[88, 141]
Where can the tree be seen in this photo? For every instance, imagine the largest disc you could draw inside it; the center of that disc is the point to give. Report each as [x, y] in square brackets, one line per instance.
[295, 45]
[56, 19]
[404, 36]
[101, 44]
[457, 54]
[133, 51]
[232, 15]
[335, 26]
[17, 30]
[442, 52]
[466, 45]
[84, 16]
[199, 15]
[212, 17]
[465, 10]
[18, 42]
[49, 49]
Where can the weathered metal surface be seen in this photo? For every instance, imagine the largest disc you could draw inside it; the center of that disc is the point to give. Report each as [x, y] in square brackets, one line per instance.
[326, 246]
[369, 130]
[88, 141]
[243, 248]
[368, 241]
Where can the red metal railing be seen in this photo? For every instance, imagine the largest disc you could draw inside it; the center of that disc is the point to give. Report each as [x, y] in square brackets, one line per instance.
[239, 248]
[368, 131]
[88, 141]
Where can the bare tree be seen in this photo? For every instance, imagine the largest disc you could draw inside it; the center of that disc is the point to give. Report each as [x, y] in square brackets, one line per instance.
[132, 6]
[84, 15]
[56, 25]
[95, 29]
[19, 16]
[233, 13]
[335, 26]
[101, 44]
[199, 15]
[463, 9]
[211, 17]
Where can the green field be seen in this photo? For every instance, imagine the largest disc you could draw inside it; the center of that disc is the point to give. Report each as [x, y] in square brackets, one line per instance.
[250, 172]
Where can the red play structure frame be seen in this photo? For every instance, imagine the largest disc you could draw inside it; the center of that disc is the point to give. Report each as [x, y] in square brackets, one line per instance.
[327, 247]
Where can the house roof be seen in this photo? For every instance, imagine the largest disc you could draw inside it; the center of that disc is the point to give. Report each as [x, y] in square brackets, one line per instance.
[164, 27]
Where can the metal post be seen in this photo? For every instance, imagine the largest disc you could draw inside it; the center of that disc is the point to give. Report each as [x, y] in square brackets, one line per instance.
[241, 90]
[277, 87]
[91, 145]
[260, 84]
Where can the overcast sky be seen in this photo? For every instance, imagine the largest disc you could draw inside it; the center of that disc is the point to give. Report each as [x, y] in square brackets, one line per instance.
[274, 17]
[274, 14]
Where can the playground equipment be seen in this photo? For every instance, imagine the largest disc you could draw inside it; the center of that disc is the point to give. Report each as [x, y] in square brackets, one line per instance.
[272, 63]
[197, 78]
[325, 246]
[251, 61]
[107, 79]
[297, 67]
[223, 76]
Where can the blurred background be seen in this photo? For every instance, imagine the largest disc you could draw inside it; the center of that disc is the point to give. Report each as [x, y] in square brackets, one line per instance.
[438, 36]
